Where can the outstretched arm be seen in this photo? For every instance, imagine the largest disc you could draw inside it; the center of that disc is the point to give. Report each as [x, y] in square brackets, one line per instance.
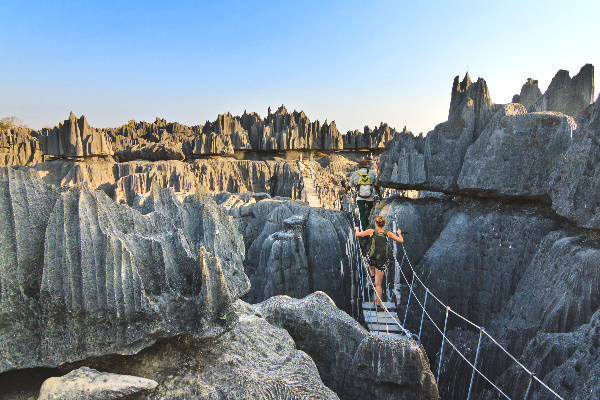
[368, 232]
[397, 238]
[345, 191]
[378, 192]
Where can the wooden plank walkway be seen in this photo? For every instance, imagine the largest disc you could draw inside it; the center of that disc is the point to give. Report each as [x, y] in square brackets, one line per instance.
[380, 322]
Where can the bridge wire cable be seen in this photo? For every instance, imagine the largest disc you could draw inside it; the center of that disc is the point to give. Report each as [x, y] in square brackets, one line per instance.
[474, 325]
[371, 286]
[443, 333]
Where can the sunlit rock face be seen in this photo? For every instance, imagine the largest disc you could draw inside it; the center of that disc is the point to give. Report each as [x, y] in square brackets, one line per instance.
[530, 93]
[82, 275]
[434, 161]
[549, 154]
[75, 138]
[568, 95]
[516, 153]
[20, 146]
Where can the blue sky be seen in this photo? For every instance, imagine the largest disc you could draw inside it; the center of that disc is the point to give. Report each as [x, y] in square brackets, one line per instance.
[358, 63]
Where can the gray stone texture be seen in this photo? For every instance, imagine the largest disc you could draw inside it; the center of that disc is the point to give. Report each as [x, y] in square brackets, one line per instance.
[252, 360]
[568, 95]
[75, 138]
[434, 161]
[525, 274]
[20, 146]
[516, 153]
[353, 363]
[491, 150]
[81, 275]
[126, 181]
[292, 249]
[87, 383]
[25, 205]
[530, 93]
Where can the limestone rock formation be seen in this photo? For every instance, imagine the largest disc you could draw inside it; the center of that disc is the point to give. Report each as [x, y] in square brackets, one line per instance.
[253, 360]
[75, 138]
[153, 152]
[278, 131]
[355, 364]
[93, 385]
[20, 146]
[568, 95]
[125, 181]
[106, 278]
[538, 156]
[370, 139]
[142, 137]
[517, 153]
[26, 204]
[292, 249]
[530, 93]
[434, 162]
[522, 272]
[223, 136]
[575, 178]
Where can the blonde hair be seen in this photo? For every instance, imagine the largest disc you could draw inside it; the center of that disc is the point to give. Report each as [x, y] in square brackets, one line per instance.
[380, 221]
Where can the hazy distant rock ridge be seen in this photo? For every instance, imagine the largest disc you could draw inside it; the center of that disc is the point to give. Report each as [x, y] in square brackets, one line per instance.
[568, 95]
[278, 131]
[130, 141]
[370, 139]
[75, 138]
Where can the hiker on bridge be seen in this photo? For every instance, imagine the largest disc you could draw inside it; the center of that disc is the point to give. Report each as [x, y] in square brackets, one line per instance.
[378, 254]
[364, 181]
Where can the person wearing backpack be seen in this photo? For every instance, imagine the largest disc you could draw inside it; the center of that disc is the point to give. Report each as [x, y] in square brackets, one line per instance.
[379, 253]
[364, 181]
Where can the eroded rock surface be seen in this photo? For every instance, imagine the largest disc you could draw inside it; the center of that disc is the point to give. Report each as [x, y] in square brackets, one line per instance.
[82, 275]
[75, 138]
[568, 95]
[355, 364]
[292, 249]
[87, 383]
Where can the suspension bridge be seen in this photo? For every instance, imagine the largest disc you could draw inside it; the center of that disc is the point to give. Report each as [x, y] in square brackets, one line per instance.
[393, 319]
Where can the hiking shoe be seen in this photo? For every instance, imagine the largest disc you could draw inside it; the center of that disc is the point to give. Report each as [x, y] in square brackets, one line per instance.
[380, 308]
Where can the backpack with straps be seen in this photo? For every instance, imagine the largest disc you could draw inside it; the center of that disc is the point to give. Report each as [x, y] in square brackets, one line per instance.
[365, 185]
[378, 255]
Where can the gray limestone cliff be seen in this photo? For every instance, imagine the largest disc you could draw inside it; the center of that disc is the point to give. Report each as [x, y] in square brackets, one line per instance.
[84, 276]
[525, 274]
[291, 248]
[503, 151]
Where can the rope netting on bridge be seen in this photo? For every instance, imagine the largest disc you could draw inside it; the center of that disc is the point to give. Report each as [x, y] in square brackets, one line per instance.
[364, 290]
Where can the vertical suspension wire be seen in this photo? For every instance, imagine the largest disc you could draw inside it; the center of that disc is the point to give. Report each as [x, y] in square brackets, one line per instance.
[442, 348]
[408, 302]
[423, 314]
[475, 363]
[528, 393]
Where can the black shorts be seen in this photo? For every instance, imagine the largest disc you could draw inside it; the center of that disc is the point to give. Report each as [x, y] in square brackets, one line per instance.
[381, 267]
